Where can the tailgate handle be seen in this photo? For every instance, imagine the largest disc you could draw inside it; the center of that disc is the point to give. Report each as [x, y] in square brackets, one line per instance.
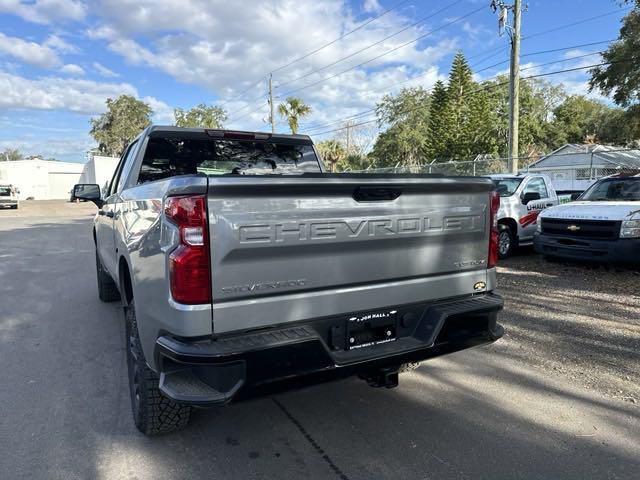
[376, 194]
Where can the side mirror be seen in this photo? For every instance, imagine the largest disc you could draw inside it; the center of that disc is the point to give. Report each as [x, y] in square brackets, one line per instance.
[575, 196]
[529, 197]
[88, 191]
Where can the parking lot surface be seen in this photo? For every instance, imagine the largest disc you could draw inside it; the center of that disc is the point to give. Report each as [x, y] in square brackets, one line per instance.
[557, 397]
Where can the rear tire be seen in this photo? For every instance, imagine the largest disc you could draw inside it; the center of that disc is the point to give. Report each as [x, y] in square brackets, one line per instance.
[506, 241]
[107, 289]
[153, 413]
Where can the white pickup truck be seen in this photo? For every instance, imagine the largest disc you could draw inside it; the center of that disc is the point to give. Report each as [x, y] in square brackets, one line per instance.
[9, 196]
[522, 198]
[602, 225]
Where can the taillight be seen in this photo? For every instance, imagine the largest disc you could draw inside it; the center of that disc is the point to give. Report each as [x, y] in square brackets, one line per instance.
[189, 267]
[493, 225]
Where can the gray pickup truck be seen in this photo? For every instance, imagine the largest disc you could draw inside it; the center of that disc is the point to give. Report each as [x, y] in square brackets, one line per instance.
[244, 269]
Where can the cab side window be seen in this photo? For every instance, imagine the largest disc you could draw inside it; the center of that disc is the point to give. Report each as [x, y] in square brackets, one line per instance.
[123, 167]
[536, 185]
[113, 184]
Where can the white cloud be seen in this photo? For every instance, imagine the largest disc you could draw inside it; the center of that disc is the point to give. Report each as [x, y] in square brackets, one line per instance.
[75, 95]
[72, 69]
[54, 146]
[218, 46]
[58, 43]
[29, 52]
[104, 71]
[45, 11]
[372, 6]
[162, 113]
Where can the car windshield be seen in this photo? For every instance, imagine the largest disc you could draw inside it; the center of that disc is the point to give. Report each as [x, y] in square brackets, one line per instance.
[5, 191]
[507, 186]
[170, 156]
[620, 189]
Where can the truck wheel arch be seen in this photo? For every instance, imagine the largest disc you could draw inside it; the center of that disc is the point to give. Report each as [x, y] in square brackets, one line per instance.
[124, 277]
[512, 224]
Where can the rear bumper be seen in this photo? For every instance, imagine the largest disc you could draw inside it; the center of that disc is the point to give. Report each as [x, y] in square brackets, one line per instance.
[624, 250]
[215, 372]
[8, 203]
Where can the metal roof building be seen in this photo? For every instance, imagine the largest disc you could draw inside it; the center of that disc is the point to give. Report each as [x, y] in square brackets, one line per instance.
[574, 167]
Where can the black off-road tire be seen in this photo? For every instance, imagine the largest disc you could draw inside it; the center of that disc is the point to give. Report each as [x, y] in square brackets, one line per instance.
[15, 207]
[408, 367]
[107, 289]
[153, 413]
[506, 241]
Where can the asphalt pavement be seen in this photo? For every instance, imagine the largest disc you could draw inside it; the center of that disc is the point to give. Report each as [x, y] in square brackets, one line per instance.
[529, 407]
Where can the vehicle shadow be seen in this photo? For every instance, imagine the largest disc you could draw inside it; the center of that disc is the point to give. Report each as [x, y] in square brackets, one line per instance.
[476, 414]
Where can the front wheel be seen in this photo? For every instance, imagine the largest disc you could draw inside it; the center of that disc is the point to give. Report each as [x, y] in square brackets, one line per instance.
[153, 413]
[506, 241]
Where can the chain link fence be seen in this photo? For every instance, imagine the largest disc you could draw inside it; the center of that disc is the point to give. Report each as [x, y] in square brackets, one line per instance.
[565, 178]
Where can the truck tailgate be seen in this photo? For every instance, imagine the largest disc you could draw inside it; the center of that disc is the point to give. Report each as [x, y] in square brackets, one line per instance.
[290, 248]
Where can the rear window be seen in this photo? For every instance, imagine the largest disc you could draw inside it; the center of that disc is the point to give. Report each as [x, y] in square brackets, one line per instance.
[171, 156]
[507, 186]
[5, 191]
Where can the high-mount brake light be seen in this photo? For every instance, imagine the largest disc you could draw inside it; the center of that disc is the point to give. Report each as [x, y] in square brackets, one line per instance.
[232, 135]
[189, 266]
[494, 206]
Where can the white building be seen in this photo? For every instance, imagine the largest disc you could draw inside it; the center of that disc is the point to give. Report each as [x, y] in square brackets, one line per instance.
[50, 179]
[99, 170]
[575, 167]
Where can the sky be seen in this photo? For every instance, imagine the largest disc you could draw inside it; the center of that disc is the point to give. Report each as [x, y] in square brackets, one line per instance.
[61, 59]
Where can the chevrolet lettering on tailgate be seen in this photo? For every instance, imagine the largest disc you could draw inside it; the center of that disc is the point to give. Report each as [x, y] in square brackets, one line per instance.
[361, 229]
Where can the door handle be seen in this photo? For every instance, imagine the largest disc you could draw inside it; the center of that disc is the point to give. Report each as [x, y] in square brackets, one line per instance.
[549, 204]
[106, 214]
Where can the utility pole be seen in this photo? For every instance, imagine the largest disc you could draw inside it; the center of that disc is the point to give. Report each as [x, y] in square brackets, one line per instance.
[272, 118]
[514, 73]
[348, 132]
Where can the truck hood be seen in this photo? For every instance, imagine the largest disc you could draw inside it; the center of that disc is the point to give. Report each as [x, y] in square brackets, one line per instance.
[586, 210]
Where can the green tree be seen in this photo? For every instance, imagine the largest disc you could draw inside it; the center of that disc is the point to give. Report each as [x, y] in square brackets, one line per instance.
[406, 139]
[200, 116]
[438, 129]
[125, 118]
[332, 152]
[622, 76]
[10, 155]
[458, 112]
[293, 109]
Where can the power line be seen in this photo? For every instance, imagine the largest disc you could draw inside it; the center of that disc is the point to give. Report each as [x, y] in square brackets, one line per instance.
[249, 113]
[249, 103]
[544, 32]
[540, 52]
[578, 22]
[241, 94]
[492, 52]
[353, 54]
[459, 19]
[487, 87]
[362, 25]
[282, 67]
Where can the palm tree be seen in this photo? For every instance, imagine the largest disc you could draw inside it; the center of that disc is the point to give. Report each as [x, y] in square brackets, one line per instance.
[293, 109]
[332, 152]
